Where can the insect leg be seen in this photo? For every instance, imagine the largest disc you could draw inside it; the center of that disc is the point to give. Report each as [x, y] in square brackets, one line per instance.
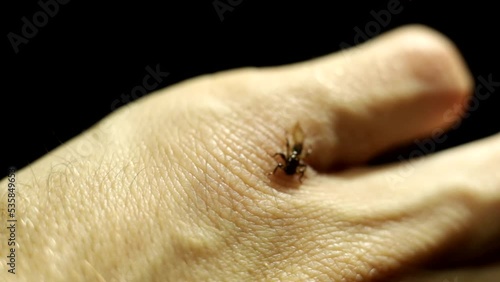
[280, 165]
[281, 155]
[301, 168]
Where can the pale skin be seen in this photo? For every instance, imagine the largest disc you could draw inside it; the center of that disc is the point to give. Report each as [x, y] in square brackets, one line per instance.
[176, 186]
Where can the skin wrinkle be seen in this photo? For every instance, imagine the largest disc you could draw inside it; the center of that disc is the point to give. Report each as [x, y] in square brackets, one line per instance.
[243, 197]
[247, 116]
[314, 240]
[233, 159]
[163, 193]
[343, 185]
[288, 255]
[415, 255]
[261, 124]
[281, 254]
[296, 103]
[186, 246]
[198, 177]
[193, 178]
[222, 216]
[253, 153]
[362, 265]
[133, 203]
[194, 209]
[263, 249]
[203, 201]
[215, 216]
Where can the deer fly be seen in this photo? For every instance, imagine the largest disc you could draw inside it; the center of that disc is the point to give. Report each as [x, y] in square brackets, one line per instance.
[293, 158]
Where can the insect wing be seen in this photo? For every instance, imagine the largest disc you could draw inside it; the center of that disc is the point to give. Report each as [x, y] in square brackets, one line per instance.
[298, 134]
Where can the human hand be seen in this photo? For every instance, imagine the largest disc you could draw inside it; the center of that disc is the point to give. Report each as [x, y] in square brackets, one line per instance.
[175, 187]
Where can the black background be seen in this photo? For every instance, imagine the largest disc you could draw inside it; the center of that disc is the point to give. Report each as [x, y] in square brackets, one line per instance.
[67, 76]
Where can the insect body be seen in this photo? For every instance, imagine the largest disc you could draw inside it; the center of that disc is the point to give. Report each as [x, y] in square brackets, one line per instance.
[293, 158]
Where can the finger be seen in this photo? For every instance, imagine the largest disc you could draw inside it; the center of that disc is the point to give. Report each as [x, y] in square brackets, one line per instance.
[442, 204]
[487, 273]
[360, 102]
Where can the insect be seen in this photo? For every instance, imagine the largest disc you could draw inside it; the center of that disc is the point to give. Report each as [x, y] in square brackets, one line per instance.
[293, 158]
